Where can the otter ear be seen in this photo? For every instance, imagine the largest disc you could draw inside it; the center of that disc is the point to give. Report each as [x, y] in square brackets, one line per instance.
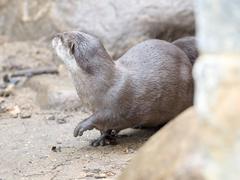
[81, 59]
[71, 46]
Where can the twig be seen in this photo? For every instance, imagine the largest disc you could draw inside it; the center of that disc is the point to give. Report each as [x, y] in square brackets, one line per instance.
[29, 73]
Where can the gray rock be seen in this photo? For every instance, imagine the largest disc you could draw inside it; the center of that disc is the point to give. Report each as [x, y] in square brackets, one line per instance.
[220, 26]
[55, 92]
[50, 118]
[62, 120]
[25, 114]
[217, 79]
[171, 154]
[119, 23]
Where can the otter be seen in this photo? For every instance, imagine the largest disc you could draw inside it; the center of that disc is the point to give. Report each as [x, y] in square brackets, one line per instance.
[189, 46]
[146, 87]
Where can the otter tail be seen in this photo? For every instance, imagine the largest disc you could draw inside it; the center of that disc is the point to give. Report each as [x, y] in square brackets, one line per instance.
[188, 45]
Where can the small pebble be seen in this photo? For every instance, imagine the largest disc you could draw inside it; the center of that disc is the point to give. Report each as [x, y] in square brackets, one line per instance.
[15, 116]
[89, 174]
[56, 149]
[110, 173]
[128, 151]
[61, 121]
[82, 175]
[25, 114]
[100, 176]
[51, 118]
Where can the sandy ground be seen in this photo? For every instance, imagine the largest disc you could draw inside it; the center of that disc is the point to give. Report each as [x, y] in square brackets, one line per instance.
[43, 147]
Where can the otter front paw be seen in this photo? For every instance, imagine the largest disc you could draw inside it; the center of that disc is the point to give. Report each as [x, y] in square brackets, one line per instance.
[81, 127]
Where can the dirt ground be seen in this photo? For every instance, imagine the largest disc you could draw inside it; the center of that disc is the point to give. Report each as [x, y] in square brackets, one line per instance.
[42, 146]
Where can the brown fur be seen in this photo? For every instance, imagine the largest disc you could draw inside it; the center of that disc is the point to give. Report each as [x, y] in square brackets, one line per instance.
[148, 86]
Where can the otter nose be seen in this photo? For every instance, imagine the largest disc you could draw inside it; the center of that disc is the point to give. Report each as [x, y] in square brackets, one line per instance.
[55, 39]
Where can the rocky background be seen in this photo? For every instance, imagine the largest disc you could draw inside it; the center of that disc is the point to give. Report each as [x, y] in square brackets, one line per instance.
[119, 23]
[39, 112]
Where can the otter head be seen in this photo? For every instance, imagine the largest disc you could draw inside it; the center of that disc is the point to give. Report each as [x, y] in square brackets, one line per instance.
[82, 51]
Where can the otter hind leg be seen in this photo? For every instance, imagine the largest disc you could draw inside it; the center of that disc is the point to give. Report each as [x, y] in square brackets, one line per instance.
[107, 138]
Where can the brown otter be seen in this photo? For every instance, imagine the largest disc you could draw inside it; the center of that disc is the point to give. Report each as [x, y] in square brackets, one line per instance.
[189, 46]
[148, 86]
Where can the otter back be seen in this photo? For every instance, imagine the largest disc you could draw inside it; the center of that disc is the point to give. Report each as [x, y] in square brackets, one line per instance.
[188, 45]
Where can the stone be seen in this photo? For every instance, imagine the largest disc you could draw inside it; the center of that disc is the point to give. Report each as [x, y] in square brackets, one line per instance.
[119, 23]
[25, 111]
[8, 109]
[51, 118]
[217, 79]
[172, 153]
[56, 149]
[219, 24]
[100, 176]
[218, 90]
[25, 114]
[55, 92]
[188, 148]
[217, 103]
[61, 120]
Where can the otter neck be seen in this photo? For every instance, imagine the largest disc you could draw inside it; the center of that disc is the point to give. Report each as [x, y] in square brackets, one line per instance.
[92, 88]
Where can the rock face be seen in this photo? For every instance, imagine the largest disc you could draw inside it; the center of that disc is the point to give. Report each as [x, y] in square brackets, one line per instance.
[217, 76]
[218, 35]
[172, 153]
[186, 149]
[119, 23]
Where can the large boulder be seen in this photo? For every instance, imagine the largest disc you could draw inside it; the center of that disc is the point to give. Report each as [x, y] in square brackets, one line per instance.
[119, 23]
[190, 148]
[171, 154]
